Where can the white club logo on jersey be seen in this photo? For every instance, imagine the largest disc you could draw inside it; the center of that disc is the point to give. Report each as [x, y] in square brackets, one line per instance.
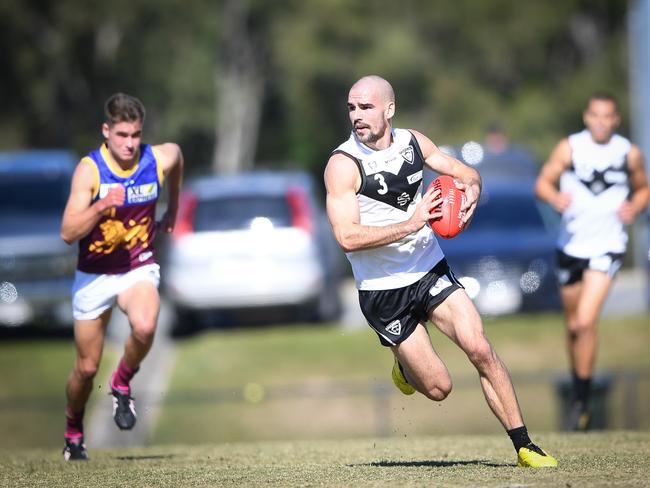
[395, 327]
[403, 199]
[407, 154]
[597, 187]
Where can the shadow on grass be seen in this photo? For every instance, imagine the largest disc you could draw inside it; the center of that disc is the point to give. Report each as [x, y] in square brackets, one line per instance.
[149, 457]
[433, 464]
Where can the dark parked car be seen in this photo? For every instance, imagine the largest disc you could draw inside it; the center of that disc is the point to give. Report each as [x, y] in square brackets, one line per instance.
[36, 266]
[505, 258]
[254, 241]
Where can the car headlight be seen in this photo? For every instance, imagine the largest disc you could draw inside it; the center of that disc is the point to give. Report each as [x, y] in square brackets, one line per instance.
[8, 292]
[530, 282]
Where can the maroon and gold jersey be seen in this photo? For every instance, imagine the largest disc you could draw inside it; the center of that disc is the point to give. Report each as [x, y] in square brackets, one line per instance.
[122, 240]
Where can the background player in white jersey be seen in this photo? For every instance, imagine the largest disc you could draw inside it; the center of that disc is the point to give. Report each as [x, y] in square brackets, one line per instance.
[379, 217]
[596, 179]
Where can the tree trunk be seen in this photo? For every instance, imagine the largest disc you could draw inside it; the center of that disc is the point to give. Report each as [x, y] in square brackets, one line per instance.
[239, 81]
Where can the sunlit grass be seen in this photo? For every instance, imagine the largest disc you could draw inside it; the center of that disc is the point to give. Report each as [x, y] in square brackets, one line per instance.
[604, 459]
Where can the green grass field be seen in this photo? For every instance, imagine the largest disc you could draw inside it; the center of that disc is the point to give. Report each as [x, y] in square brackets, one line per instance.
[586, 460]
[331, 383]
[32, 389]
[309, 406]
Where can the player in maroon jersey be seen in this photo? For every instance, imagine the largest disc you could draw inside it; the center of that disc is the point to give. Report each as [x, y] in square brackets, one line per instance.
[111, 213]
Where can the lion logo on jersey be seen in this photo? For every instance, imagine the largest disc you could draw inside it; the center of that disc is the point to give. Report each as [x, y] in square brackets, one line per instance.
[115, 233]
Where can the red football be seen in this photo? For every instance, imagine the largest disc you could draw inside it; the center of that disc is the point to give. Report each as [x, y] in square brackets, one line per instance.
[453, 200]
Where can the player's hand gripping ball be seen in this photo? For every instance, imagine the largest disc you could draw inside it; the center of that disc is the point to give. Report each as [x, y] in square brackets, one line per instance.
[453, 200]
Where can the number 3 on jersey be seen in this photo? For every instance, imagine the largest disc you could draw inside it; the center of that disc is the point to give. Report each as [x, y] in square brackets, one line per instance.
[383, 187]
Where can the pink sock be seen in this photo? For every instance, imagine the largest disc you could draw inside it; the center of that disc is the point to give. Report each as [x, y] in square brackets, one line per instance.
[122, 377]
[74, 424]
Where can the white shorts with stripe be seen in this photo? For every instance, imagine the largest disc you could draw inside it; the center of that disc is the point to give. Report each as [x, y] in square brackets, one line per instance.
[93, 294]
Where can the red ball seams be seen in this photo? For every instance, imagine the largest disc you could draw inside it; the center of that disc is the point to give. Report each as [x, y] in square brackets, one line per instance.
[453, 199]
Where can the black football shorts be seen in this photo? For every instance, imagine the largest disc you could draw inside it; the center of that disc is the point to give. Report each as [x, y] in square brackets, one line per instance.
[394, 314]
[569, 269]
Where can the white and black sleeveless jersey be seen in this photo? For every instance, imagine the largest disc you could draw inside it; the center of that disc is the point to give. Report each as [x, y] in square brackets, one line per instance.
[391, 186]
[598, 181]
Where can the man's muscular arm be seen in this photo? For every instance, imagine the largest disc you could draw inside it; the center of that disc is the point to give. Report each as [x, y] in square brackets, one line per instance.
[80, 216]
[342, 178]
[172, 163]
[546, 186]
[638, 201]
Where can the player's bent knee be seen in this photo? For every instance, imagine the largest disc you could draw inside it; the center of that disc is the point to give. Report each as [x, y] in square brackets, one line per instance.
[581, 326]
[86, 370]
[439, 391]
[143, 329]
[144, 334]
[438, 394]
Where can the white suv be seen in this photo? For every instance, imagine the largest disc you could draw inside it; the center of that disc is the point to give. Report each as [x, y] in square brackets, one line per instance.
[254, 241]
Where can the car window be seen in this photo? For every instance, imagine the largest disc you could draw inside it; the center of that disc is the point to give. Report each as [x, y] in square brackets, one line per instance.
[503, 211]
[29, 193]
[235, 213]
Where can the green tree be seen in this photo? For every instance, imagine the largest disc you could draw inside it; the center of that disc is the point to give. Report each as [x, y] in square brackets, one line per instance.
[265, 82]
[456, 66]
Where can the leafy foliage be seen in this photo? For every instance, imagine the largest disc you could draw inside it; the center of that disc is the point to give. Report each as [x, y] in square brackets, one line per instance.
[456, 66]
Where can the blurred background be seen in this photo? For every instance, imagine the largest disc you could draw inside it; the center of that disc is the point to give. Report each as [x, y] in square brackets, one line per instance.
[255, 92]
